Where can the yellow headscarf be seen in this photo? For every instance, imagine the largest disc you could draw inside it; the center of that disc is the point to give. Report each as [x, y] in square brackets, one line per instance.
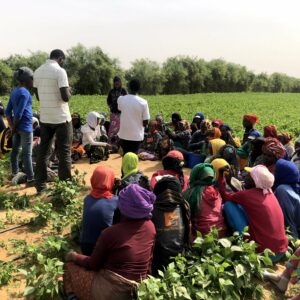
[219, 163]
[129, 164]
[216, 145]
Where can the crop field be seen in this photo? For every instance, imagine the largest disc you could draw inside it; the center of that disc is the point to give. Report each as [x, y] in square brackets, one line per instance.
[36, 232]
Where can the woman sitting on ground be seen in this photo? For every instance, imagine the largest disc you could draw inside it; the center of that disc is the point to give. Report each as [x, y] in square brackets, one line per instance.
[131, 173]
[173, 164]
[171, 217]
[122, 256]
[270, 131]
[196, 123]
[228, 153]
[181, 136]
[95, 144]
[228, 137]
[259, 208]
[217, 123]
[287, 191]
[215, 143]
[151, 142]
[290, 274]
[272, 150]
[249, 122]
[98, 209]
[205, 201]
[287, 141]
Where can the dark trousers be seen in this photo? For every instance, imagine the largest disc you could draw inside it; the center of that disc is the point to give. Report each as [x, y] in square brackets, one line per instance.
[130, 146]
[63, 133]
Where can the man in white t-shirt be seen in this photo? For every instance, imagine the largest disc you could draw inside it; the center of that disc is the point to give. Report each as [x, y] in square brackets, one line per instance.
[134, 117]
[52, 90]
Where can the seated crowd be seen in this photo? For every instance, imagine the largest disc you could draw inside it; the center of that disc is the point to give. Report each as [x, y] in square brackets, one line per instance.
[133, 226]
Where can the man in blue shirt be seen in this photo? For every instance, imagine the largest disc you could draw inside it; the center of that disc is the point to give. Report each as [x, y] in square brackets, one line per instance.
[19, 116]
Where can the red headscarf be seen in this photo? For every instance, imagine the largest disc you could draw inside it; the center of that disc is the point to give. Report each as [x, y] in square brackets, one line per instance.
[253, 119]
[218, 123]
[273, 147]
[270, 131]
[102, 181]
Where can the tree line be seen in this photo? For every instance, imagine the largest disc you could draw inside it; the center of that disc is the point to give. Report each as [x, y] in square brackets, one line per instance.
[91, 71]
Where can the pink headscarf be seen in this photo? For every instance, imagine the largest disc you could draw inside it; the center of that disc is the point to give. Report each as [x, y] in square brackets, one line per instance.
[262, 178]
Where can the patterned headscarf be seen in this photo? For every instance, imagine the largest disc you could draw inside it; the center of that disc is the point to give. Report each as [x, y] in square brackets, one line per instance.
[136, 202]
[273, 147]
[102, 182]
[253, 119]
[201, 176]
[270, 131]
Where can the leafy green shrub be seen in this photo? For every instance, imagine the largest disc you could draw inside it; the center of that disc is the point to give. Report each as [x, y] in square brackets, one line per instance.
[6, 270]
[214, 269]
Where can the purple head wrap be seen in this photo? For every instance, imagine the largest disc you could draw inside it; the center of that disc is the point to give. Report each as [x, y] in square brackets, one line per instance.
[136, 202]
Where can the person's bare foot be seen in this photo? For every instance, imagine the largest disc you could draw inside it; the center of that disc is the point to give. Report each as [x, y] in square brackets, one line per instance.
[278, 281]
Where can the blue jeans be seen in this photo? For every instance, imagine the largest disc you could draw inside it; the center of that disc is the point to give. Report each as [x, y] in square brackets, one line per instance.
[235, 216]
[22, 141]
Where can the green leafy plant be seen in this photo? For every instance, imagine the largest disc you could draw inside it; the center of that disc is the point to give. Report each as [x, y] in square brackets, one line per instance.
[6, 270]
[214, 269]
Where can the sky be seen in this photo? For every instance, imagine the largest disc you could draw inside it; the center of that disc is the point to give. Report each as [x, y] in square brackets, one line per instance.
[263, 35]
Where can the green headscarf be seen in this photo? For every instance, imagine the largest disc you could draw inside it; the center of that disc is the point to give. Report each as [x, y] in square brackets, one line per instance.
[129, 164]
[201, 176]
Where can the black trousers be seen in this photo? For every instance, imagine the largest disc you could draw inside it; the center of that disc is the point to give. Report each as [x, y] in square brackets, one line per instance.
[63, 133]
[130, 146]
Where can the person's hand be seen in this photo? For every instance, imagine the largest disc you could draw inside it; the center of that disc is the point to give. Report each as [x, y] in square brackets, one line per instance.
[223, 170]
[70, 256]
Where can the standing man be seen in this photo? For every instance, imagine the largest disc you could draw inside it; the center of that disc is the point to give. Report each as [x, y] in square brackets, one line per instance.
[52, 90]
[134, 117]
[112, 102]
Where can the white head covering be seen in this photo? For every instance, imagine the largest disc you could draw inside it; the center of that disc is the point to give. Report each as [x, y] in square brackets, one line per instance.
[92, 119]
[35, 120]
[262, 178]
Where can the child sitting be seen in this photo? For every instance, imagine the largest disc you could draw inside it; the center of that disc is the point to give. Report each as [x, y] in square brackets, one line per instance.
[95, 144]
[151, 142]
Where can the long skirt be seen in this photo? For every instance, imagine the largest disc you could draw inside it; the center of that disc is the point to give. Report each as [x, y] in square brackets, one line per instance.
[102, 285]
[114, 128]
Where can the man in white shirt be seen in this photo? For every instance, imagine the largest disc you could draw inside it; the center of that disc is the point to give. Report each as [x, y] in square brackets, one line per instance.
[52, 90]
[134, 117]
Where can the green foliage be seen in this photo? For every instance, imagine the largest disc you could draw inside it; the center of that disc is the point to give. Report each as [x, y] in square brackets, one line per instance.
[6, 75]
[14, 200]
[150, 75]
[6, 271]
[215, 269]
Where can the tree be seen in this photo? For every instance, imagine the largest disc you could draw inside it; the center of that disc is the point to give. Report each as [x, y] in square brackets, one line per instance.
[261, 83]
[150, 75]
[6, 75]
[90, 70]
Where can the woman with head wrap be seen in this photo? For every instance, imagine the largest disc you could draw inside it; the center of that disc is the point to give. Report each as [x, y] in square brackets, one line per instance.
[98, 209]
[171, 217]
[173, 164]
[272, 150]
[161, 125]
[217, 123]
[149, 150]
[131, 173]
[198, 140]
[287, 141]
[287, 191]
[93, 142]
[260, 209]
[112, 102]
[214, 146]
[19, 116]
[181, 136]
[122, 256]
[249, 122]
[196, 123]
[205, 201]
[176, 118]
[227, 136]
[270, 131]
[228, 153]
